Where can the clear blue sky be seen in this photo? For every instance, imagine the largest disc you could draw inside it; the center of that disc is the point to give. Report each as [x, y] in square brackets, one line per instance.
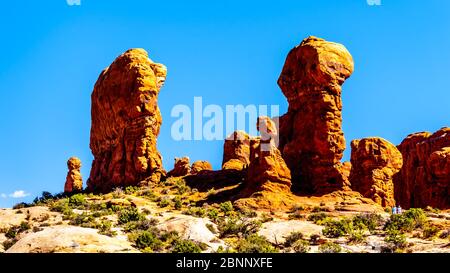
[228, 52]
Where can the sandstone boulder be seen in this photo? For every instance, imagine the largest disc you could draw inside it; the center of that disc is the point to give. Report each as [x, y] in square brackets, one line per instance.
[311, 138]
[199, 166]
[374, 163]
[125, 122]
[74, 180]
[236, 151]
[182, 167]
[424, 179]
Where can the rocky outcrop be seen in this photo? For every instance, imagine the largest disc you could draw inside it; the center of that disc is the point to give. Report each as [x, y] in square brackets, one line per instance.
[425, 177]
[236, 151]
[125, 122]
[311, 138]
[267, 170]
[374, 163]
[182, 167]
[74, 180]
[199, 166]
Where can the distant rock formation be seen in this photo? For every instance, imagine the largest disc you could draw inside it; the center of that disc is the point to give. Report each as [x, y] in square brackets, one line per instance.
[74, 180]
[267, 170]
[311, 138]
[182, 167]
[374, 163]
[424, 179]
[199, 166]
[125, 122]
[236, 151]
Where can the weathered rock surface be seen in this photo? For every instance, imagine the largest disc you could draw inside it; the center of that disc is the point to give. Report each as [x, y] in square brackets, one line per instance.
[375, 161]
[236, 151]
[267, 170]
[125, 122]
[182, 167]
[311, 137]
[199, 166]
[74, 180]
[424, 179]
[69, 239]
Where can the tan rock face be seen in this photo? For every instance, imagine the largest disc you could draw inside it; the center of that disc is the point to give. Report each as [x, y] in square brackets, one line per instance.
[236, 151]
[74, 180]
[199, 166]
[374, 163]
[182, 167]
[425, 177]
[125, 122]
[311, 137]
[267, 170]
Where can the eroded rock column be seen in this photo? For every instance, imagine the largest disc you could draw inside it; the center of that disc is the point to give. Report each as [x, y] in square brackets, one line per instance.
[311, 138]
[125, 122]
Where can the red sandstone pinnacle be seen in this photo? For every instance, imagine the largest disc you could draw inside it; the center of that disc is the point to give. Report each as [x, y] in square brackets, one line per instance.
[424, 179]
[125, 122]
[182, 167]
[74, 181]
[311, 138]
[374, 162]
[236, 151]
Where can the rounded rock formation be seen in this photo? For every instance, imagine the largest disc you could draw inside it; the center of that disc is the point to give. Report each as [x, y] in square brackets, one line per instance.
[311, 138]
[182, 167]
[74, 180]
[424, 179]
[374, 162]
[125, 122]
[199, 166]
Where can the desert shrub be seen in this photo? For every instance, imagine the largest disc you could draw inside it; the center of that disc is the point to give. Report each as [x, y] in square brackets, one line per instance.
[444, 234]
[213, 214]
[317, 218]
[118, 193]
[131, 190]
[9, 243]
[356, 236]
[226, 207]
[83, 220]
[105, 228]
[336, 228]
[396, 239]
[211, 228]
[13, 231]
[77, 200]
[165, 202]
[301, 246]
[60, 205]
[330, 248]
[296, 215]
[369, 221]
[292, 238]
[196, 211]
[249, 213]
[129, 215]
[147, 240]
[20, 205]
[318, 209]
[408, 221]
[181, 187]
[255, 244]
[314, 239]
[186, 246]
[143, 224]
[265, 217]
[235, 226]
[430, 231]
[177, 203]
[148, 194]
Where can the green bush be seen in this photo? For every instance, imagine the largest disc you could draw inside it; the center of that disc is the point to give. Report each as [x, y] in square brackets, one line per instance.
[301, 246]
[265, 217]
[396, 238]
[317, 218]
[292, 238]
[330, 248]
[408, 221]
[186, 246]
[336, 229]
[143, 224]
[129, 215]
[77, 200]
[213, 214]
[131, 190]
[235, 226]
[177, 203]
[196, 211]
[165, 202]
[226, 207]
[368, 221]
[430, 231]
[105, 228]
[146, 240]
[255, 244]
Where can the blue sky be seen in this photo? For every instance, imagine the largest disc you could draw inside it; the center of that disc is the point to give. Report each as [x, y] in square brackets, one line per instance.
[228, 52]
